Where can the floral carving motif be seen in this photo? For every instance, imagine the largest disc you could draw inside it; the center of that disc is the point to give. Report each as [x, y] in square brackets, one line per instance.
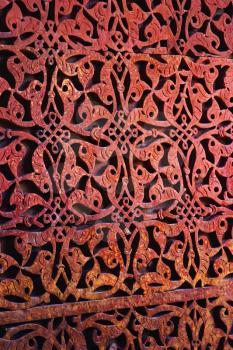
[116, 174]
[192, 324]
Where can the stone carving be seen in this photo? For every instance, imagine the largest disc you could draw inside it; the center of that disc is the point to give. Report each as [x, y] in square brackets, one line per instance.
[116, 173]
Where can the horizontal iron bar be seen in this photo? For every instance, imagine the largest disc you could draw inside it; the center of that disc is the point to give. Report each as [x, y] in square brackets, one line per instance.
[72, 309]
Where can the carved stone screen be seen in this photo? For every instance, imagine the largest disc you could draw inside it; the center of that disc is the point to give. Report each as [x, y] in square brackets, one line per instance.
[116, 174]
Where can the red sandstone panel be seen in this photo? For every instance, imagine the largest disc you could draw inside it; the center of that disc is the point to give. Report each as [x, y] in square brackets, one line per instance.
[182, 325]
[192, 27]
[116, 173]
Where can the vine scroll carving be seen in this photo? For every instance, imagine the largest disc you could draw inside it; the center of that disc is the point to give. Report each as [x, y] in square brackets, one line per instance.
[116, 174]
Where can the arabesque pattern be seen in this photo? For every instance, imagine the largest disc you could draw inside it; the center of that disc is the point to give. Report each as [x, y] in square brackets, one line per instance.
[116, 173]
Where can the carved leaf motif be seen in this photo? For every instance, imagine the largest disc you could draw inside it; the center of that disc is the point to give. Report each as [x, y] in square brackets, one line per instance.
[14, 17]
